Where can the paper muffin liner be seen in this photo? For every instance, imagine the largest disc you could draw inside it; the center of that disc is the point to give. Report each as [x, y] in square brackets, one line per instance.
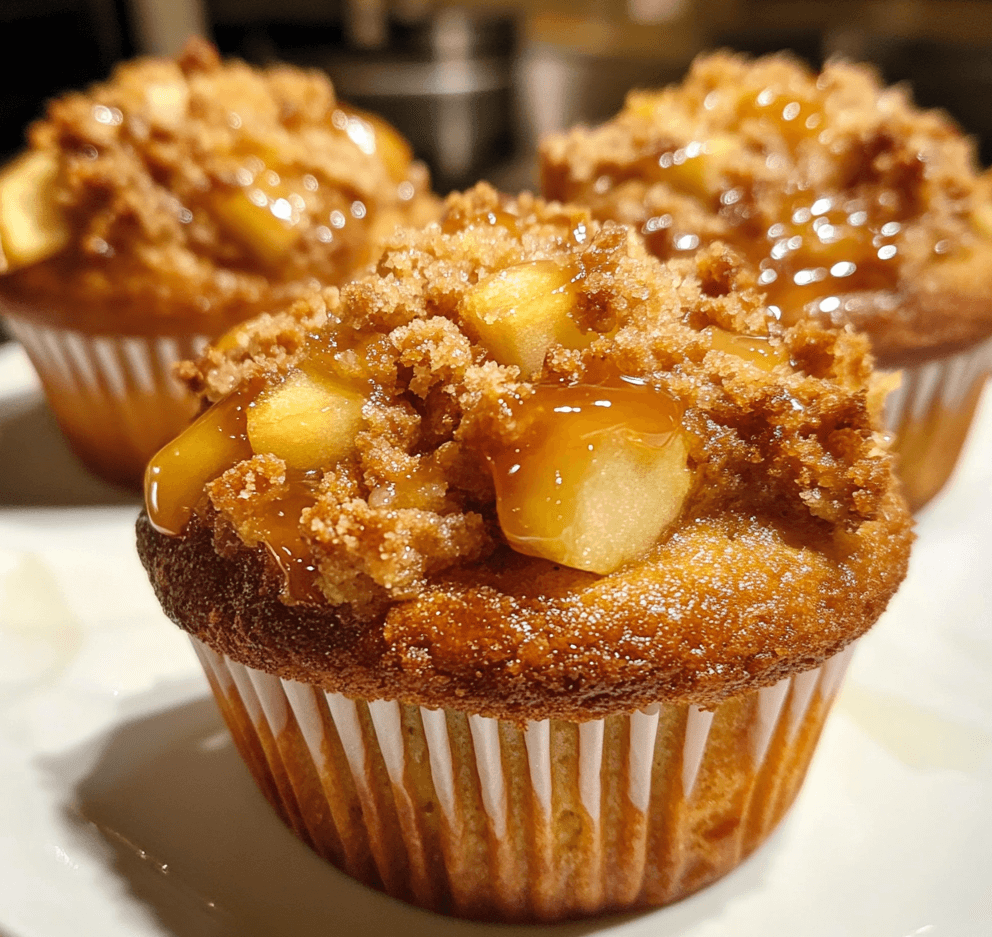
[930, 414]
[480, 818]
[114, 396]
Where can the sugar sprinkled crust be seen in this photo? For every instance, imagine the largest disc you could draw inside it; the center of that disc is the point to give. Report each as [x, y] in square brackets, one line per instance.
[146, 162]
[848, 138]
[788, 548]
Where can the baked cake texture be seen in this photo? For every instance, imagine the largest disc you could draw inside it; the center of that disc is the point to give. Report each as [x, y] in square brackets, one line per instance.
[857, 208]
[201, 191]
[573, 485]
[156, 209]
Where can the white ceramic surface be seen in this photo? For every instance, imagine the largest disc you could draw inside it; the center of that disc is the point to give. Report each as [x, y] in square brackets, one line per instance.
[125, 811]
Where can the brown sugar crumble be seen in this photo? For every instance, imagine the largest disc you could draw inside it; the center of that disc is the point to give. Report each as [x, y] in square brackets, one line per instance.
[196, 190]
[393, 569]
[856, 206]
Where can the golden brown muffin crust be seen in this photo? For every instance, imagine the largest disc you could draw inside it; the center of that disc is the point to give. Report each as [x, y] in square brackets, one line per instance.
[719, 608]
[847, 169]
[788, 547]
[199, 192]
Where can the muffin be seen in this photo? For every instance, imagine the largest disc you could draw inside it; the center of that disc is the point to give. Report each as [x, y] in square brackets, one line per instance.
[155, 210]
[857, 208]
[525, 568]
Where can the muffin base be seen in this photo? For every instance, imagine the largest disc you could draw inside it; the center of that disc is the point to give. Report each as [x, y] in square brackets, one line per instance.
[483, 819]
[114, 396]
[930, 414]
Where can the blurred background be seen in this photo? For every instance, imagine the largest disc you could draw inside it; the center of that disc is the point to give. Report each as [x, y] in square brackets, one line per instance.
[474, 84]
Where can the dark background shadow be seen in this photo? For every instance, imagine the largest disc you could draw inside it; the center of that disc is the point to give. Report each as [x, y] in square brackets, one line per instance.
[37, 468]
[193, 840]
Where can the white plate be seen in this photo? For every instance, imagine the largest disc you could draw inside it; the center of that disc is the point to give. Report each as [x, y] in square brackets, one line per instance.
[125, 811]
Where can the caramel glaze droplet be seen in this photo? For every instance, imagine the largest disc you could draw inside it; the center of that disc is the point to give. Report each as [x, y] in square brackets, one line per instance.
[176, 476]
[808, 259]
[454, 224]
[820, 245]
[218, 440]
[279, 525]
[756, 349]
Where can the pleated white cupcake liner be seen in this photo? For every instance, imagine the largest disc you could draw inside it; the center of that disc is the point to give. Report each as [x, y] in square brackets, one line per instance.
[480, 818]
[115, 396]
[930, 414]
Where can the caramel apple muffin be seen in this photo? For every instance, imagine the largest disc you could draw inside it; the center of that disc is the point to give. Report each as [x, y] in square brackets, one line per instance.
[155, 210]
[525, 568]
[855, 206]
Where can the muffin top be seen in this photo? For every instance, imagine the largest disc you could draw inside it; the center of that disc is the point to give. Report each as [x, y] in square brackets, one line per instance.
[857, 207]
[526, 469]
[192, 193]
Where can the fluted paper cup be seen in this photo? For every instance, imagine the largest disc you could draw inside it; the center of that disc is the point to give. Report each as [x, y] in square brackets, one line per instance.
[485, 819]
[114, 396]
[930, 414]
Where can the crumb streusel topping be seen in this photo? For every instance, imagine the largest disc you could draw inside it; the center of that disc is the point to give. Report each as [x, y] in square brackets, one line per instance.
[855, 205]
[466, 507]
[196, 189]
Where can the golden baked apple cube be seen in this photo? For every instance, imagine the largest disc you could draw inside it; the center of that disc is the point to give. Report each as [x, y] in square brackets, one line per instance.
[308, 421]
[701, 174]
[622, 500]
[981, 218]
[156, 90]
[32, 225]
[269, 238]
[600, 476]
[520, 312]
[393, 150]
[167, 102]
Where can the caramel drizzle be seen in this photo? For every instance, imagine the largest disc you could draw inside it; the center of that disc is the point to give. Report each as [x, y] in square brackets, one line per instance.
[821, 246]
[176, 477]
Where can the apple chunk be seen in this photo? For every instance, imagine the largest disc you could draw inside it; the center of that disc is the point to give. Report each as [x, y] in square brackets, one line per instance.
[32, 226]
[393, 150]
[520, 312]
[597, 477]
[699, 170]
[309, 422]
[269, 238]
[981, 217]
[384, 139]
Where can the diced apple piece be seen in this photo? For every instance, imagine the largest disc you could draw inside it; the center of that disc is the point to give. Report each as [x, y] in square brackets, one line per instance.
[520, 312]
[307, 421]
[167, 102]
[32, 226]
[158, 91]
[394, 151]
[269, 238]
[384, 139]
[620, 505]
[599, 476]
[981, 218]
[701, 174]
